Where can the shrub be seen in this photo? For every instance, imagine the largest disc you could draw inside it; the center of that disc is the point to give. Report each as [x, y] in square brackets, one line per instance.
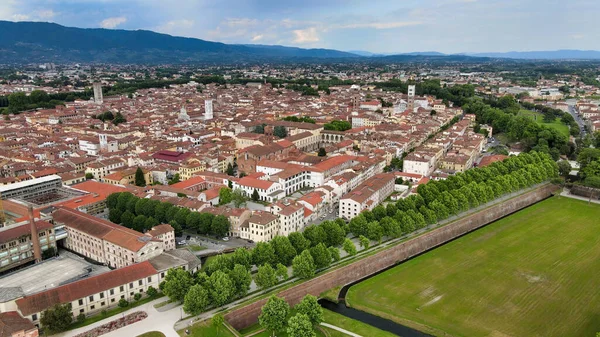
[151, 291]
[123, 303]
[137, 296]
[81, 317]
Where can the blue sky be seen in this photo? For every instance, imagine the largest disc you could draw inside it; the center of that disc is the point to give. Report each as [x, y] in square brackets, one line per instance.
[381, 26]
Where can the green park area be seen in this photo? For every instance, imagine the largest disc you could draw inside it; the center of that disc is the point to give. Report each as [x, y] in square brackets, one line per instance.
[205, 329]
[530, 274]
[539, 118]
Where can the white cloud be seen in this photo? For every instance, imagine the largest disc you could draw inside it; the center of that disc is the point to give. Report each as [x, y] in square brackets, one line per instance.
[257, 38]
[307, 35]
[113, 22]
[577, 36]
[19, 17]
[379, 25]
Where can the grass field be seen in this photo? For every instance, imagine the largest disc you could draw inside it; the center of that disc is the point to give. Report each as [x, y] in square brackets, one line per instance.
[534, 273]
[152, 334]
[539, 118]
[351, 325]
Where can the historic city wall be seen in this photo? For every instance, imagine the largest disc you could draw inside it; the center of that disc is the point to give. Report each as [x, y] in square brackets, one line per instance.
[248, 315]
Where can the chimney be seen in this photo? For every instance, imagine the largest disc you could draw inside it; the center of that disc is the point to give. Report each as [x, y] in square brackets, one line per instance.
[35, 239]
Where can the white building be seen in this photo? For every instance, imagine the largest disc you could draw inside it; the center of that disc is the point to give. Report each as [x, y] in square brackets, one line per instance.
[267, 190]
[291, 216]
[208, 109]
[367, 195]
[261, 227]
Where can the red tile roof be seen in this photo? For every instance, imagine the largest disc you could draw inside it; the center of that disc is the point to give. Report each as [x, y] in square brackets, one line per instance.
[100, 228]
[73, 291]
[255, 183]
[189, 182]
[15, 232]
[11, 323]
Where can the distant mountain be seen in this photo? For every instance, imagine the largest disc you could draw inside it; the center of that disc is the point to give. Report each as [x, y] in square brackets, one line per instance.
[564, 54]
[369, 54]
[24, 42]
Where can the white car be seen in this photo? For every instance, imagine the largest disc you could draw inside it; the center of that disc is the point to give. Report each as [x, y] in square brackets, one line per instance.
[226, 238]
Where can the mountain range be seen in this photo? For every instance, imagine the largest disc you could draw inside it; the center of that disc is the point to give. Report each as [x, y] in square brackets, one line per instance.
[38, 42]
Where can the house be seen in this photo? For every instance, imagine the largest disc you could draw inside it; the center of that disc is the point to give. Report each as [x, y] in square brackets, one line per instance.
[260, 227]
[367, 195]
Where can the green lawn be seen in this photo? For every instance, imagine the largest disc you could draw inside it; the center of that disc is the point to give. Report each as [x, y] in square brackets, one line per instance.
[152, 334]
[351, 325]
[539, 118]
[533, 273]
[205, 329]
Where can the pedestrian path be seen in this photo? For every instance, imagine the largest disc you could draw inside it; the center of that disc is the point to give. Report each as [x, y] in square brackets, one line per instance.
[567, 193]
[352, 334]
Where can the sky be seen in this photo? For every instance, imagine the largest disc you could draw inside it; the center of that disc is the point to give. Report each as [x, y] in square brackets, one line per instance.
[379, 26]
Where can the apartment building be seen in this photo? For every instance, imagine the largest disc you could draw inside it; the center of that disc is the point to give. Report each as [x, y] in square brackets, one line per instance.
[16, 247]
[260, 227]
[105, 242]
[291, 216]
[367, 195]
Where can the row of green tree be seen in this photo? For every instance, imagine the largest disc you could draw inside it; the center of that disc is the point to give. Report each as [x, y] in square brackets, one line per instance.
[142, 214]
[338, 126]
[109, 116]
[303, 119]
[459, 94]
[439, 200]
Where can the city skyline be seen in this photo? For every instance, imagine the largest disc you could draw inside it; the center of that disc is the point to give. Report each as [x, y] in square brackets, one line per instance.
[452, 26]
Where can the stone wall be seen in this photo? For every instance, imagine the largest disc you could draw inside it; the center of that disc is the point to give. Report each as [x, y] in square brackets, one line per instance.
[248, 315]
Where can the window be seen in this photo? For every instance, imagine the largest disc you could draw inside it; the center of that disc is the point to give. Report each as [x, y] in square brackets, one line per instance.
[130, 285]
[80, 302]
[121, 288]
[81, 311]
[102, 303]
[34, 317]
[101, 295]
[150, 279]
[112, 300]
[92, 298]
[131, 293]
[140, 282]
[122, 297]
[112, 292]
[92, 307]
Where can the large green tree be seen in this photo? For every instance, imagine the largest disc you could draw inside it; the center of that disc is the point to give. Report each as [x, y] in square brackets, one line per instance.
[241, 278]
[273, 314]
[311, 308]
[284, 251]
[303, 265]
[196, 300]
[177, 283]
[299, 326]
[265, 277]
[139, 177]
[57, 318]
[221, 288]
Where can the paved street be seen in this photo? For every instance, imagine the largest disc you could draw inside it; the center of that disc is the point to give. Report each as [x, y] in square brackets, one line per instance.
[578, 119]
[156, 321]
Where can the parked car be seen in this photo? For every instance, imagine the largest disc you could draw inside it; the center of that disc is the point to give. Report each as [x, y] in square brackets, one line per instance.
[226, 238]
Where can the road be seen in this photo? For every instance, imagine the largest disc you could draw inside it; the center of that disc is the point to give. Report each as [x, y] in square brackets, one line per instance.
[578, 119]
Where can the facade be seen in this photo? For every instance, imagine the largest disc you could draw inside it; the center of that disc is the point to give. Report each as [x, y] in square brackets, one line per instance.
[291, 216]
[31, 188]
[267, 190]
[105, 242]
[261, 227]
[98, 92]
[16, 247]
[367, 195]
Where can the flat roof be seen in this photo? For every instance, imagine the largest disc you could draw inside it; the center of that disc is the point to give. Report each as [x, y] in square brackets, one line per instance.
[49, 274]
[26, 183]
